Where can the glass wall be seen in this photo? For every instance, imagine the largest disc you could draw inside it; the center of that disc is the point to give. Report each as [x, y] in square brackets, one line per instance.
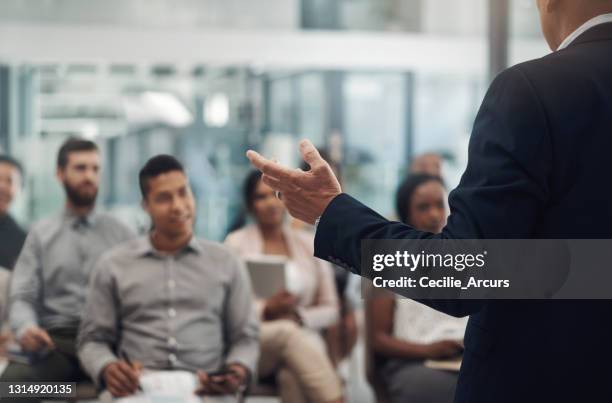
[444, 112]
[526, 41]
[465, 17]
[178, 14]
[373, 120]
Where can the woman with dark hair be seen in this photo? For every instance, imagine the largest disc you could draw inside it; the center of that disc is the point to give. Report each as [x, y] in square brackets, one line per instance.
[403, 334]
[306, 308]
[421, 202]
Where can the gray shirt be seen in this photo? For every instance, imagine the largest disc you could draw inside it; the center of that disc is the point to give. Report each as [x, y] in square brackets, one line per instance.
[49, 282]
[192, 310]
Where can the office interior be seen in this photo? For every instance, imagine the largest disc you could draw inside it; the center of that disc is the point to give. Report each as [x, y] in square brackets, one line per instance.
[374, 82]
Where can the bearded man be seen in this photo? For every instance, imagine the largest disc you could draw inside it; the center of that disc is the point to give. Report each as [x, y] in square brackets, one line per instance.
[50, 278]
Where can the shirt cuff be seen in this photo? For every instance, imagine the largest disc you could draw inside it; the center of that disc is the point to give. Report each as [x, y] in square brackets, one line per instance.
[95, 362]
[246, 356]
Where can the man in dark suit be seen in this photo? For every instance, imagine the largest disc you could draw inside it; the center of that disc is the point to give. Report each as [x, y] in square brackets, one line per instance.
[538, 167]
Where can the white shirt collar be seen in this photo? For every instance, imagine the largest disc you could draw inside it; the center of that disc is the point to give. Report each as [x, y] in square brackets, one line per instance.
[600, 19]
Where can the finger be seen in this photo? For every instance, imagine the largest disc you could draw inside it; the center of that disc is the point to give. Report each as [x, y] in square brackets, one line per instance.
[116, 386]
[201, 391]
[310, 154]
[270, 168]
[232, 382]
[128, 375]
[203, 380]
[277, 184]
[25, 342]
[257, 160]
[44, 338]
[202, 376]
[34, 344]
[138, 366]
[216, 388]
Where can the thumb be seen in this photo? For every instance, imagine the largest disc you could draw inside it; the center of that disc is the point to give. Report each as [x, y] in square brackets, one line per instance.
[202, 376]
[138, 366]
[310, 154]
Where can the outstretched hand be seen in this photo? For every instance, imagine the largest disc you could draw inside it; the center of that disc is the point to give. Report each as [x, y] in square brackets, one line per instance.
[305, 194]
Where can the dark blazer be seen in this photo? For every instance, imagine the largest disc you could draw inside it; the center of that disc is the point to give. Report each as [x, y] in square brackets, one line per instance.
[539, 166]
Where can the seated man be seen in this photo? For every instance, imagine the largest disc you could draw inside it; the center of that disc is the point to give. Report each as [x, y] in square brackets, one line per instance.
[169, 301]
[48, 284]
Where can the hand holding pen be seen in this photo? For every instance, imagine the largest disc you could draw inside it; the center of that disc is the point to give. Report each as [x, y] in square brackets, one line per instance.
[122, 377]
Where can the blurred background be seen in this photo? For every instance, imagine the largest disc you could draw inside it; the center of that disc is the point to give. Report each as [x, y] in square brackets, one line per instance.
[375, 82]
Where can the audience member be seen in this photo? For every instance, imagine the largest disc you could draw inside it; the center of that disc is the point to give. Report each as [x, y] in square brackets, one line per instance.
[428, 163]
[169, 301]
[312, 305]
[48, 287]
[403, 333]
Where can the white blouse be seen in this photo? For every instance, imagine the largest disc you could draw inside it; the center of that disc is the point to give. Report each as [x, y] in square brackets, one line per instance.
[311, 278]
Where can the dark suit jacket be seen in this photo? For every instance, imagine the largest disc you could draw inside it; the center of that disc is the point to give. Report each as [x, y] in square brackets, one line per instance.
[539, 166]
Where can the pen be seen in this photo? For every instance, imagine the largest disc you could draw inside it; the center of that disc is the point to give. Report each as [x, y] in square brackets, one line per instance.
[127, 359]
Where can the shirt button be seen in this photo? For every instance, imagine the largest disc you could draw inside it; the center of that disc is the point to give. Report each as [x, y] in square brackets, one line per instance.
[171, 283]
[172, 312]
[172, 358]
[172, 342]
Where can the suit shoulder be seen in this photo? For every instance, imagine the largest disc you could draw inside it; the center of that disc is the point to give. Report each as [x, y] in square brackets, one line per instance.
[567, 66]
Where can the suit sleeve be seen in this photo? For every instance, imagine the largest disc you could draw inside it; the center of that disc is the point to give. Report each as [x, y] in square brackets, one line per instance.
[502, 193]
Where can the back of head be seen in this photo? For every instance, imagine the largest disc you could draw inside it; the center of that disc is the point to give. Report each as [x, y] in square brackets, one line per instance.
[559, 18]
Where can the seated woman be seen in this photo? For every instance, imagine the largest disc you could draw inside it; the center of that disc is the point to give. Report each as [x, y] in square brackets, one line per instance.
[310, 305]
[404, 333]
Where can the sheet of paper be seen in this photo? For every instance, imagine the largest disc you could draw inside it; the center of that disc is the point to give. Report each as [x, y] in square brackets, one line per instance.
[171, 387]
[444, 365]
[168, 382]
